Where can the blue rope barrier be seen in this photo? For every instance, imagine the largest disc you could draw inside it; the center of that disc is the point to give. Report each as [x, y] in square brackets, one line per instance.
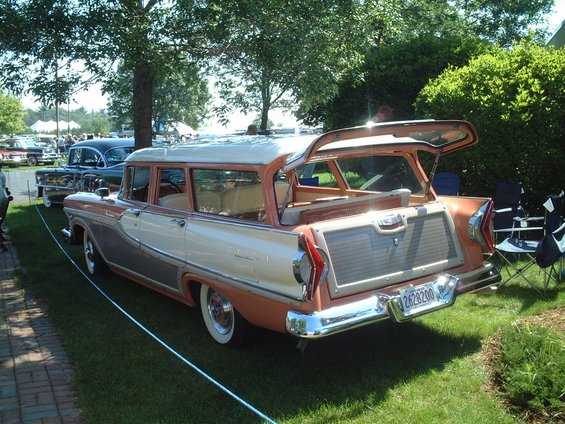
[152, 335]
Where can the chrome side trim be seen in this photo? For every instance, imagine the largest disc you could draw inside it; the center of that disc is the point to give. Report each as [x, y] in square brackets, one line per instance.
[190, 266]
[124, 271]
[367, 311]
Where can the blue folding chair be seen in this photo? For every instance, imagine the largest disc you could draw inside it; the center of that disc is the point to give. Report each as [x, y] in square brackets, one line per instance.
[447, 183]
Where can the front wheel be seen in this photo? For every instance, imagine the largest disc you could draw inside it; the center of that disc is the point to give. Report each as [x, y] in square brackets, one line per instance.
[47, 202]
[32, 161]
[94, 262]
[223, 322]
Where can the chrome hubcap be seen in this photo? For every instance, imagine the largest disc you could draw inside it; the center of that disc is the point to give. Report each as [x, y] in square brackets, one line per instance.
[220, 311]
[89, 254]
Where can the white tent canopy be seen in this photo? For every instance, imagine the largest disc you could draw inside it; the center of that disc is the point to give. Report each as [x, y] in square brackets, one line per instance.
[42, 126]
[182, 129]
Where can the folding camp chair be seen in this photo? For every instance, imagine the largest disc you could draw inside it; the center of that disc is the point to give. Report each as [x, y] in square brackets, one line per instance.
[447, 183]
[510, 249]
[515, 245]
[507, 206]
[551, 248]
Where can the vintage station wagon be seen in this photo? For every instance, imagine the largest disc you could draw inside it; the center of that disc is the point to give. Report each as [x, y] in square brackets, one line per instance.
[308, 235]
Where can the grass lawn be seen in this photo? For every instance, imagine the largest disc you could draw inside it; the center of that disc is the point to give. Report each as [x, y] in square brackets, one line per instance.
[425, 371]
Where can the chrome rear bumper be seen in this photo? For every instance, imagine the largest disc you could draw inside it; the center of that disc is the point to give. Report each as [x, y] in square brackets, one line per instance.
[381, 306]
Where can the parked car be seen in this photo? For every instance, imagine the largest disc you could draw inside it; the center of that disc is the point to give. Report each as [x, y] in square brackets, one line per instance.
[11, 158]
[309, 235]
[36, 151]
[90, 164]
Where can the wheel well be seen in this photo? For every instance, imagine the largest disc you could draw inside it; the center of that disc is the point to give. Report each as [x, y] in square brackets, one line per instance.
[78, 234]
[194, 290]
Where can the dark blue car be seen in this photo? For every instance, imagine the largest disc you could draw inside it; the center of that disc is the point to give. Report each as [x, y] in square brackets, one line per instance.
[91, 164]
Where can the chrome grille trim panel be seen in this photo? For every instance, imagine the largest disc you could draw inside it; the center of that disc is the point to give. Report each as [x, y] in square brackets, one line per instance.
[366, 255]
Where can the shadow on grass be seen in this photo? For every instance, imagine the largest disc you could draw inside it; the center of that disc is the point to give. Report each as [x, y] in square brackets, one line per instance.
[528, 292]
[124, 376]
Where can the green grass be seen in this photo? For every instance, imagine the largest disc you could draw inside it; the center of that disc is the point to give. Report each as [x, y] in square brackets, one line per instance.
[531, 368]
[425, 371]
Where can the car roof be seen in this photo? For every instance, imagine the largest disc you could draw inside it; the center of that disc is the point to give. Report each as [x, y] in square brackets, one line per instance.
[104, 144]
[258, 150]
[428, 135]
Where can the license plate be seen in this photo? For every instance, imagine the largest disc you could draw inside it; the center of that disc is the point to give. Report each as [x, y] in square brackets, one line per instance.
[417, 297]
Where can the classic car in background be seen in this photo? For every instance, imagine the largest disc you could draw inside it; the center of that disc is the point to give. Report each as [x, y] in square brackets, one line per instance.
[12, 158]
[36, 151]
[90, 164]
[309, 235]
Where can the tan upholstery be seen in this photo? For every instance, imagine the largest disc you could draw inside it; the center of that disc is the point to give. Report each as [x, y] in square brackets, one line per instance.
[209, 202]
[243, 199]
[177, 201]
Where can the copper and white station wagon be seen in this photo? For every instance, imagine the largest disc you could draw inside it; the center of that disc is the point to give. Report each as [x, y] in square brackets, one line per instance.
[308, 235]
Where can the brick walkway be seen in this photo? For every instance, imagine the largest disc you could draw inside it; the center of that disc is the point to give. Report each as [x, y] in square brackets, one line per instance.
[35, 372]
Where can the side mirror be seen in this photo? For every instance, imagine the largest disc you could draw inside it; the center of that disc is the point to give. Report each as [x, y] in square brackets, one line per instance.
[102, 192]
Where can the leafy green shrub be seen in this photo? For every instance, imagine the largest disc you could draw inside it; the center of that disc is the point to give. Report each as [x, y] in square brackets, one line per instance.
[515, 100]
[531, 369]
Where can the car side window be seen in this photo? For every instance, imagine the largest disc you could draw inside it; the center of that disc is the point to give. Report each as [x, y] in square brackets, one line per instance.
[236, 194]
[137, 183]
[317, 174]
[172, 191]
[90, 157]
[74, 157]
[117, 155]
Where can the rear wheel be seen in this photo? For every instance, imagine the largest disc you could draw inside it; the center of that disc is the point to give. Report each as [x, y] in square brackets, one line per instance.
[223, 322]
[94, 262]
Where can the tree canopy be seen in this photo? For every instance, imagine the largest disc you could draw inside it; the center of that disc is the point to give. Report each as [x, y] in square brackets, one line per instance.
[516, 100]
[48, 44]
[265, 53]
[275, 53]
[11, 115]
[181, 96]
[425, 37]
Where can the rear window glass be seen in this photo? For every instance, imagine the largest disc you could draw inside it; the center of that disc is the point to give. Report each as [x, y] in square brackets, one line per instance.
[379, 173]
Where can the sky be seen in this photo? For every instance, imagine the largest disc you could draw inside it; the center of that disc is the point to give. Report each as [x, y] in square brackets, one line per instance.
[93, 100]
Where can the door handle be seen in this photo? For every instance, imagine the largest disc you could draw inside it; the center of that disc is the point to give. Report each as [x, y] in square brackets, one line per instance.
[179, 222]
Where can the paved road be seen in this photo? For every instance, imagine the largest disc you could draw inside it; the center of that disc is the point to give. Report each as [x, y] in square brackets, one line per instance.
[22, 185]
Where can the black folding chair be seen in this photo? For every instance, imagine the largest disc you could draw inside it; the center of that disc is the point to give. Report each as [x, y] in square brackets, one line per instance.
[507, 206]
[551, 248]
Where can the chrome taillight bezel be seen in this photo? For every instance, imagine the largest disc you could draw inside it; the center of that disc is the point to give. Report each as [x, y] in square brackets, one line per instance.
[309, 267]
[480, 227]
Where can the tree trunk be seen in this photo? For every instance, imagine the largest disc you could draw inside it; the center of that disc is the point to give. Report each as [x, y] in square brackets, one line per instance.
[142, 104]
